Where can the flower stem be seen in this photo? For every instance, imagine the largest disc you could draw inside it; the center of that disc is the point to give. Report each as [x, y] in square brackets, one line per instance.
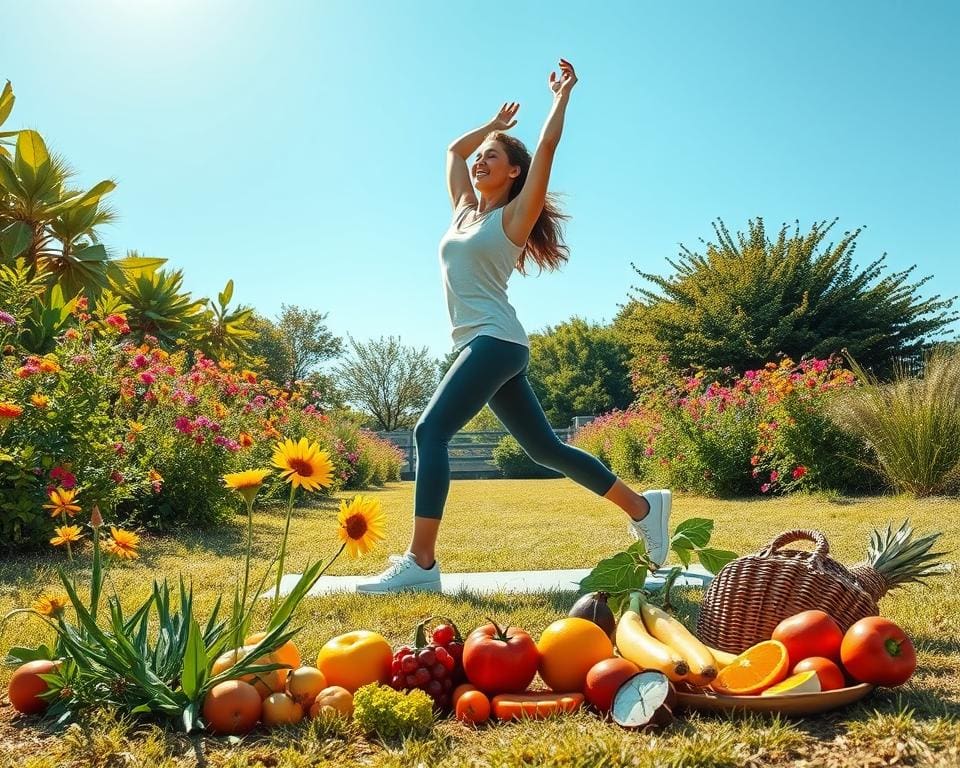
[283, 544]
[246, 572]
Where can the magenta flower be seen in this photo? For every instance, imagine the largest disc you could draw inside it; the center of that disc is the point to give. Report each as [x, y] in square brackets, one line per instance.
[798, 472]
[765, 487]
[183, 424]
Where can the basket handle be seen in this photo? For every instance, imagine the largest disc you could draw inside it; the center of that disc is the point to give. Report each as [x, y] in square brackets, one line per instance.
[821, 550]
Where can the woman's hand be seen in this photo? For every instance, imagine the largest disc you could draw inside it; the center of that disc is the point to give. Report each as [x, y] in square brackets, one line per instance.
[502, 122]
[568, 78]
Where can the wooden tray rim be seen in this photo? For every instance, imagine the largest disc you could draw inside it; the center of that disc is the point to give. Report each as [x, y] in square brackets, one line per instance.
[843, 696]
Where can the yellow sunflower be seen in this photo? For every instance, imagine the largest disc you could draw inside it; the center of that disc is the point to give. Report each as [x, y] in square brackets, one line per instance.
[303, 464]
[66, 534]
[62, 502]
[39, 401]
[246, 483]
[123, 544]
[361, 524]
[51, 605]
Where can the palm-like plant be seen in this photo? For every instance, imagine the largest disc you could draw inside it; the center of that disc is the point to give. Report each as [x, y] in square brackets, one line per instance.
[159, 306]
[225, 334]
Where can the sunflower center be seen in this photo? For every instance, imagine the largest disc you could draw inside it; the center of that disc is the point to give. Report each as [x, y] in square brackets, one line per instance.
[356, 526]
[301, 467]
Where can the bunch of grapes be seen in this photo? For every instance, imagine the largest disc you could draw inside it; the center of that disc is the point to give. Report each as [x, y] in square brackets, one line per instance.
[434, 667]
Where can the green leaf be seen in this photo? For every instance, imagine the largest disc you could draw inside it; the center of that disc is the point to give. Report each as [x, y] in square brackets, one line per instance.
[6, 102]
[696, 529]
[9, 180]
[224, 296]
[14, 239]
[684, 553]
[714, 559]
[194, 662]
[623, 572]
[18, 655]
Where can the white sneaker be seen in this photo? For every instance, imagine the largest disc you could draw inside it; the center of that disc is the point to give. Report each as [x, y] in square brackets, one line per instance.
[403, 575]
[654, 529]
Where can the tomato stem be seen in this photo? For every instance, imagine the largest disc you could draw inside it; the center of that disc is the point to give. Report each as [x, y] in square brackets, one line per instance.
[501, 634]
[893, 646]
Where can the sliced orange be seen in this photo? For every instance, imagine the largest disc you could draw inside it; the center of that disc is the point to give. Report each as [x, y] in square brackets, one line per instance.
[760, 666]
[802, 682]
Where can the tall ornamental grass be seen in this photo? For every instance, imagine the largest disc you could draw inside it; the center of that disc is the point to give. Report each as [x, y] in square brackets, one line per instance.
[912, 424]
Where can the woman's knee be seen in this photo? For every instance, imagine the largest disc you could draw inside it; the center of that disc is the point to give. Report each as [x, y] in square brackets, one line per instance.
[546, 453]
[426, 432]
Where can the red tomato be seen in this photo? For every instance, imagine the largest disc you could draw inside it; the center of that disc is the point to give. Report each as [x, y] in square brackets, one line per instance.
[875, 650]
[443, 634]
[810, 633]
[500, 660]
[830, 675]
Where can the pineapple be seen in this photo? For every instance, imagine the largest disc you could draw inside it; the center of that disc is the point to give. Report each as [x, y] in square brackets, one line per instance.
[895, 559]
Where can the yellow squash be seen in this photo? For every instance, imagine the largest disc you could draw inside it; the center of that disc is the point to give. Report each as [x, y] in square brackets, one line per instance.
[671, 632]
[636, 644]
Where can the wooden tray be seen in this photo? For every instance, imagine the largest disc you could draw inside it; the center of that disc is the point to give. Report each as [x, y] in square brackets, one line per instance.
[786, 704]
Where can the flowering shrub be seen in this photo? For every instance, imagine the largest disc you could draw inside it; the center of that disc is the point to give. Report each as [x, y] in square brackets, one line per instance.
[767, 431]
[147, 434]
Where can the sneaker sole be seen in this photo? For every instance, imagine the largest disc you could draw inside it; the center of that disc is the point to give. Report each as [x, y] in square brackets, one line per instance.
[428, 587]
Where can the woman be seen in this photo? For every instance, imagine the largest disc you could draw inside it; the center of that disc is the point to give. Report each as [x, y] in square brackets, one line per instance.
[506, 222]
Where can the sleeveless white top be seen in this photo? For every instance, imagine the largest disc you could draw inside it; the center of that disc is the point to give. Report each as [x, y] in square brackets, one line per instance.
[476, 263]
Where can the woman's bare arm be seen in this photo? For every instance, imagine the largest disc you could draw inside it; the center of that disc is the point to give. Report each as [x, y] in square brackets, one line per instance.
[458, 174]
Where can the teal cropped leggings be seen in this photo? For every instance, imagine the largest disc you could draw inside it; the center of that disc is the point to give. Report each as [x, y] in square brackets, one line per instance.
[495, 371]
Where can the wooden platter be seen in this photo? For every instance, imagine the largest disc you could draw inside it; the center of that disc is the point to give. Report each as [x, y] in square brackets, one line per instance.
[787, 704]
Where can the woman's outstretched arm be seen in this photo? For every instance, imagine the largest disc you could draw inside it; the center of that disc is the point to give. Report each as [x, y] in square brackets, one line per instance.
[529, 203]
[458, 175]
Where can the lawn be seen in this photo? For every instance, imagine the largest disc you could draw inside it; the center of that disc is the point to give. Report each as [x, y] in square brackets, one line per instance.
[516, 525]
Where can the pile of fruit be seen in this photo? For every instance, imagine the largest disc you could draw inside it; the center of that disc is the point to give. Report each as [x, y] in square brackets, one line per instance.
[628, 670]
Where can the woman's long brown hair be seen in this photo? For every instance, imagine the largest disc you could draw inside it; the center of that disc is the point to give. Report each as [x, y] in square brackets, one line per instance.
[545, 244]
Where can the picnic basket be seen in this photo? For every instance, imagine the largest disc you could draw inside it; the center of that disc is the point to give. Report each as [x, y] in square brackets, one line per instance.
[752, 594]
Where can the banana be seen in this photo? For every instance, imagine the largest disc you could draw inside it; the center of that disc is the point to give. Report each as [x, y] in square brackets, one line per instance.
[639, 646]
[670, 631]
[722, 658]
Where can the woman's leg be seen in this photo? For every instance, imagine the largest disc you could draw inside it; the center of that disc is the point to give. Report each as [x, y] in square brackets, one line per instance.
[480, 370]
[516, 405]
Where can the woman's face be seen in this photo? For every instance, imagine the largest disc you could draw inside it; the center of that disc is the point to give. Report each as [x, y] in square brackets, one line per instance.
[491, 167]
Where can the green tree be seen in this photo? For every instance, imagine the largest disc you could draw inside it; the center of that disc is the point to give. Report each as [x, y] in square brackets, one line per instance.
[308, 337]
[388, 380]
[579, 369]
[750, 298]
[270, 352]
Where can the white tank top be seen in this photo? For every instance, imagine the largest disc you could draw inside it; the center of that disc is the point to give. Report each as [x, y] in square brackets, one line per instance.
[476, 263]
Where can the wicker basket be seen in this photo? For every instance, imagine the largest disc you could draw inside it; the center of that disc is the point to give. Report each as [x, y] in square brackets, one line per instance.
[752, 594]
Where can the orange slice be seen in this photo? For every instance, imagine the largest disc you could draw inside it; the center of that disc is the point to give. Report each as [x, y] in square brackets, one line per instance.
[758, 667]
[802, 682]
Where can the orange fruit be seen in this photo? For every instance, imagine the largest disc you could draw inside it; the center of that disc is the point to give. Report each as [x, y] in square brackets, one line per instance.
[333, 700]
[473, 707]
[356, 658]
[805, 682]
[26, 685]
[758, 667]
[568, 648]
[265, 682]
[287, 653]
[304, 683]
[280, 709]
[460, 690]
[232, 707]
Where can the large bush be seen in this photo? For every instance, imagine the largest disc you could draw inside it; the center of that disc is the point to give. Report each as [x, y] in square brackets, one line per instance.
[764, 432]
[514, 462]
[748, 299]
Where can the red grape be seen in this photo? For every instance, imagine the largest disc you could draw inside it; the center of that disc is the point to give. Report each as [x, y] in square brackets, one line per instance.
[410, 681]
[442, 634]
[397, 682]
[409, 664]
[438, 671]
[434, 688]
[426, 657]
[422, 676]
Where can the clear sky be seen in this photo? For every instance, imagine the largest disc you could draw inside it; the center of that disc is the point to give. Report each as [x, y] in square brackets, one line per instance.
[298, 147]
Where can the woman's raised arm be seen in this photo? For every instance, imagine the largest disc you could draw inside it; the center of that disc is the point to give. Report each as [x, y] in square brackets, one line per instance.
[458, 174]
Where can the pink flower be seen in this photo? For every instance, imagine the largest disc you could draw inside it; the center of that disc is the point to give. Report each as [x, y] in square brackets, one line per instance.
[138, 362]
[183, 424]
[67, 480]
[774, 476]
[765, 487]
[117, 477]
[147, 378]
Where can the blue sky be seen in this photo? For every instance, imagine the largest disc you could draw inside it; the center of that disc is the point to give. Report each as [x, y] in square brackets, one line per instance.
[298, 147]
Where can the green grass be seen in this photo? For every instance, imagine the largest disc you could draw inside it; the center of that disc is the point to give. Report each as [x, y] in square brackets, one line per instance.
[513, 525]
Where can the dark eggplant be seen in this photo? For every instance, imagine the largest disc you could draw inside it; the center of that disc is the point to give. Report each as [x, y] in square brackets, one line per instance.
[593, 607]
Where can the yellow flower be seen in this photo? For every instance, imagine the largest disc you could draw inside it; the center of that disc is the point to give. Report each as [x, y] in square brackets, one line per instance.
[62, 502]
[66, 534]
[9, 411]
[154, 477]
[39, 401]
[361, 524]
[49, 366]
[303, 464]
[246, 483]
[123, 544]
[51, 605]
